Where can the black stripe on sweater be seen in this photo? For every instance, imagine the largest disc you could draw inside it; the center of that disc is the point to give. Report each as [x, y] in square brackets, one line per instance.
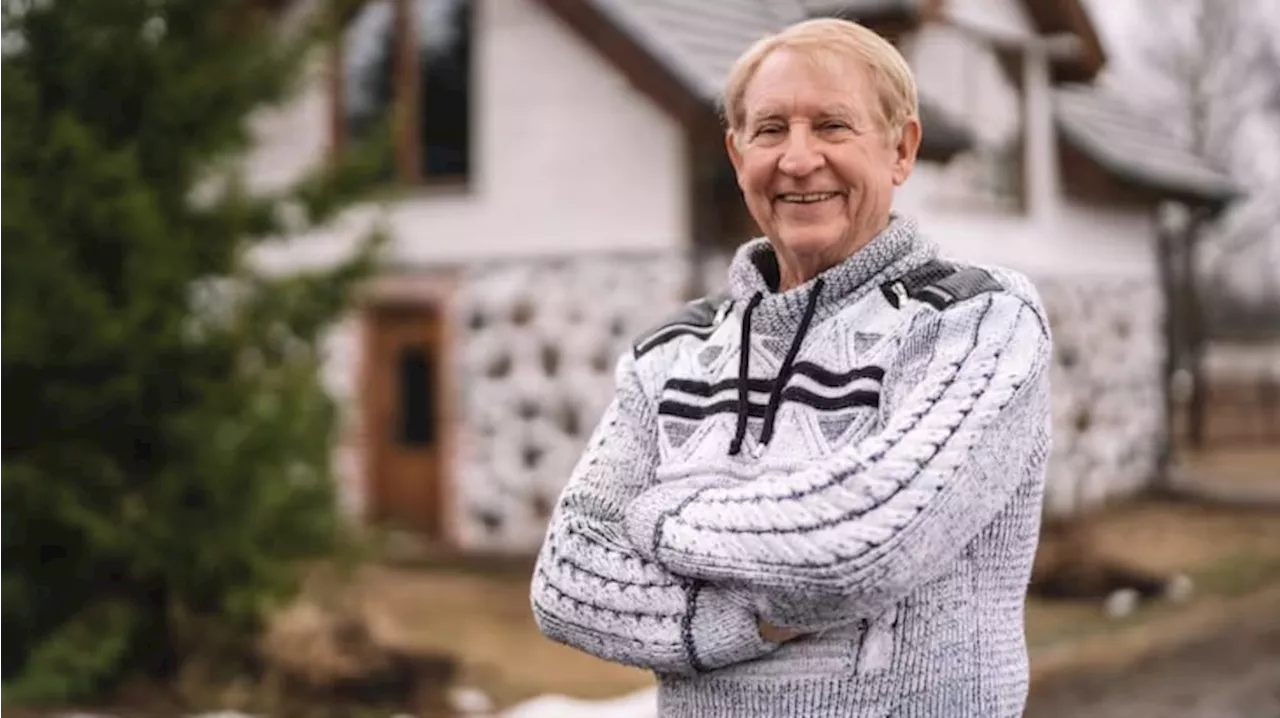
[794, 394]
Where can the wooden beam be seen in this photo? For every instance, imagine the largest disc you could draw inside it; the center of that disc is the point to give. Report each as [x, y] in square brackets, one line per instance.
[407, 102]
[337, 97]
[1069, 16]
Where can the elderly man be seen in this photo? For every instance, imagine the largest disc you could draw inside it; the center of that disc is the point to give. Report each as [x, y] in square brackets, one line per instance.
[818, 495]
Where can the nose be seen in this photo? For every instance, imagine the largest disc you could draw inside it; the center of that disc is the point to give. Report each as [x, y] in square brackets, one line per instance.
[801, 155]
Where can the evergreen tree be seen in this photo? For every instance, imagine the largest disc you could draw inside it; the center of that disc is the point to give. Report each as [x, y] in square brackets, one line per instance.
[167, 441]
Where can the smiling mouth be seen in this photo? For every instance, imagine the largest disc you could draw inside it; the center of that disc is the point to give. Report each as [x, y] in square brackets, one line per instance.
[806, 197]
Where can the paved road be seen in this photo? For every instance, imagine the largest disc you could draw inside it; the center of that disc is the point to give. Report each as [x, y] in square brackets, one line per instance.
[1233, 675]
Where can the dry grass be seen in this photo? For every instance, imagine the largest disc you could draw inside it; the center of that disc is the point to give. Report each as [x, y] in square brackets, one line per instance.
[1097, 647]
[1169, 536]
[486, 621]
[1246, 470]
[1228, 553]
[483, 615]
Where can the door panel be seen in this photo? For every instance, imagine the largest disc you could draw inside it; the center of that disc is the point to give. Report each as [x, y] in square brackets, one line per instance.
[404, 411]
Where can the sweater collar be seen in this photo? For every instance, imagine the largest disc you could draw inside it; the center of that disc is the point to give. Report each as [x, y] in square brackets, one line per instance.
[754, 270]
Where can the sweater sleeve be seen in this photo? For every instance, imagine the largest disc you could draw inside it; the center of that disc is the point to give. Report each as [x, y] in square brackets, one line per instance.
[871, 523]
[591, 590]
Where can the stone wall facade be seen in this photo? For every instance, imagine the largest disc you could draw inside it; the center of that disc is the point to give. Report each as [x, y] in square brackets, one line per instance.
[537, 345]
[1108, 411]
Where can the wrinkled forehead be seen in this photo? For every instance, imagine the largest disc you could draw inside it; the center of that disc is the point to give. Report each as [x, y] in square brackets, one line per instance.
[810, 81]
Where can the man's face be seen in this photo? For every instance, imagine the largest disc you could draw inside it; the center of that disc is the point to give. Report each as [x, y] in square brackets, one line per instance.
[815, 163]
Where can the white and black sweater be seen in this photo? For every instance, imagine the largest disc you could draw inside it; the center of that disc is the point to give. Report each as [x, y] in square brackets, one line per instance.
[861, 457]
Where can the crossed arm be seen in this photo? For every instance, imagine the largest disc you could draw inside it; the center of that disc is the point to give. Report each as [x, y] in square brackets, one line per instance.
[592, 590]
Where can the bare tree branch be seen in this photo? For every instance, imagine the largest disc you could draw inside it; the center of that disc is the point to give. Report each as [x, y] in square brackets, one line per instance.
[1214, 66]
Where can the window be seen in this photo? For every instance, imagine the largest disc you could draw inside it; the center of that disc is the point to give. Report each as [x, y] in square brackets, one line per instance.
[405, 68]
[986, 177]
[999, 176]
[417, 426]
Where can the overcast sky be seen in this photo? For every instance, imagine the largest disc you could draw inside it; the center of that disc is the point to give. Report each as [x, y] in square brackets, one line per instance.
[1121, 22]
[1123, 28]
[1113, 18]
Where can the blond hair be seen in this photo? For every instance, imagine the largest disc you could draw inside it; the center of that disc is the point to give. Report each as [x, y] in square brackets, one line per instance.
[838, 39]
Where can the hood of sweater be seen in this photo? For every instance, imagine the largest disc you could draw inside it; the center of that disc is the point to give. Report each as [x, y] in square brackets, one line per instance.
[753, 278]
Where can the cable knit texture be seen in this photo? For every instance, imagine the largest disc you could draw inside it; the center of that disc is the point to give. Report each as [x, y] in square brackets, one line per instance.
[867, 473]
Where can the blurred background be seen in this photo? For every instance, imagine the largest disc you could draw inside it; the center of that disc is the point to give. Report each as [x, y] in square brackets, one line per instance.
[309, 308]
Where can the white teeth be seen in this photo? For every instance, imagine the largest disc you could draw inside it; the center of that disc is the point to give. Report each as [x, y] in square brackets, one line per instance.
[806, 198]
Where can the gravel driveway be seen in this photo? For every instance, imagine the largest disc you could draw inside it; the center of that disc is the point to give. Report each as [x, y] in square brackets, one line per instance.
[1235, 674]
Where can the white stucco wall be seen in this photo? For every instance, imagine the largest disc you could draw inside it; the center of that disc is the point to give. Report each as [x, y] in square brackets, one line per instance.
[1079, 240]
[569, 158]
[960, 74]
[962, 77]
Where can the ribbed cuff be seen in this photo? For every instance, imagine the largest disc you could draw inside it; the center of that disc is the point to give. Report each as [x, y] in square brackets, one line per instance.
[721, 629]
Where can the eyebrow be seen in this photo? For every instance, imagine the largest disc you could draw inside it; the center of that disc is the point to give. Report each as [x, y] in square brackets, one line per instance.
[827, 111]
[762, 115]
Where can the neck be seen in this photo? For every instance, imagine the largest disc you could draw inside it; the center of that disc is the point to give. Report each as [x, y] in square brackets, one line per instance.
[796, 269]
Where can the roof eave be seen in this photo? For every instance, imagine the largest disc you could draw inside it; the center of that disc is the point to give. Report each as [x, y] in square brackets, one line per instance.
[943, 152]
[943, 137]
[890, 20]
[904, 11]
[1215, 198]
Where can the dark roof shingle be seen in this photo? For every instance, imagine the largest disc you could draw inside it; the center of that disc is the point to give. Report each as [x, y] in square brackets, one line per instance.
[860, 9]
[1135, 147]
[698, 40]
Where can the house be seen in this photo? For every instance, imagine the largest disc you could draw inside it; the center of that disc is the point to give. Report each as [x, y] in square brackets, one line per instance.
[566, 187]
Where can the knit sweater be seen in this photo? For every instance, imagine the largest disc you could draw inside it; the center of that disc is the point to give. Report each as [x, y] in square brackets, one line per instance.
[860, 458]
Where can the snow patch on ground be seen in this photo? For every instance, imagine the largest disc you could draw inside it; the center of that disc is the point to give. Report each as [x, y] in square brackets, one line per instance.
[641, 704]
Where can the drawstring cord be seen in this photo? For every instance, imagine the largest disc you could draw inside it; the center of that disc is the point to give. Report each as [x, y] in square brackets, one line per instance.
[744, 364]
[784, 374]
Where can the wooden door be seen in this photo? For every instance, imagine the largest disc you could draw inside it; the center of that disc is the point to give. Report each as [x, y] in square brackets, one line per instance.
[403, 380]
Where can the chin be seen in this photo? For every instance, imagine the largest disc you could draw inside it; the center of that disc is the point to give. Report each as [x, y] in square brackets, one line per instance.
[811, 242]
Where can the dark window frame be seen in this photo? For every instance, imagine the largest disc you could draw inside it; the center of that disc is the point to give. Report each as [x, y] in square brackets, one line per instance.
[408, 91]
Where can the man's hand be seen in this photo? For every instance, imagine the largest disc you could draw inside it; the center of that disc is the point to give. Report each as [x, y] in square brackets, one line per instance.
[777, 634]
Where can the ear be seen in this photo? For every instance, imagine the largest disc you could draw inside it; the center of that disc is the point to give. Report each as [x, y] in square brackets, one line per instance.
[735, 153]
[908, 147]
